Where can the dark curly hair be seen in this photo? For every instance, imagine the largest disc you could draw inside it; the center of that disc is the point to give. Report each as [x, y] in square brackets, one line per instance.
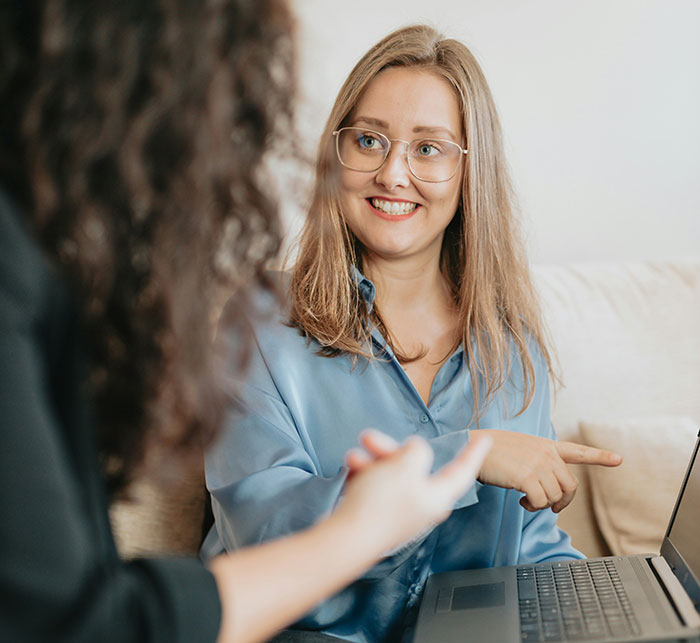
[133, 137]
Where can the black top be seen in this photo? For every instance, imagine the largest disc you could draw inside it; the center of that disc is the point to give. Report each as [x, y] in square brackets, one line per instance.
[60, 576]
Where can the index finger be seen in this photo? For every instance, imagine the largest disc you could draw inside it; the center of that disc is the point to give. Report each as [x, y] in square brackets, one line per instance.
[573, 453]
[377, 443]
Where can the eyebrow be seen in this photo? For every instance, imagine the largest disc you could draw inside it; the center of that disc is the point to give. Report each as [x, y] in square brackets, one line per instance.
[434, 130]
[416, 130]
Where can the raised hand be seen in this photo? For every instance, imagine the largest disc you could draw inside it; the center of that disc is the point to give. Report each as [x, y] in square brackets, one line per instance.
[538, 467]
[392, 489]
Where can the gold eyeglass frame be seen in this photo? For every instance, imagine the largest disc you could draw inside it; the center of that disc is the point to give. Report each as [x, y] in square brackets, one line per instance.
[408, 144]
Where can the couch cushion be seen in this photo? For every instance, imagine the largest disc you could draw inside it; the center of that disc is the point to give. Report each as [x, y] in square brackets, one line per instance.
[633, 502]
[627, 338]
[163, 515]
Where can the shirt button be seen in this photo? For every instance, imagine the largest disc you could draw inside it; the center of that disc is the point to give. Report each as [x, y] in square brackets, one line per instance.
[424, 419]
[415, 589]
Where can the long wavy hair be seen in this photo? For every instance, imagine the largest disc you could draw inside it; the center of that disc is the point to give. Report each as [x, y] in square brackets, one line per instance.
[482, 261]
[133, 134]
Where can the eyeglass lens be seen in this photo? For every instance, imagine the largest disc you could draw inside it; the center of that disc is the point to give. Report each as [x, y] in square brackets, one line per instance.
[428, 159]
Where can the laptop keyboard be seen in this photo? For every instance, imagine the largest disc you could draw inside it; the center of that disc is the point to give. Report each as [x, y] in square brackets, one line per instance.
[573, 600]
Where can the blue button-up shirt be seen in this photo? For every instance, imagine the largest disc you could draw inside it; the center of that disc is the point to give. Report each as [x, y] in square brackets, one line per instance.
[279, 467]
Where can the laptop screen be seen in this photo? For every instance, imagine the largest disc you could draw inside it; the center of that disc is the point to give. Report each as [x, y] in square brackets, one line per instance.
[684, 530]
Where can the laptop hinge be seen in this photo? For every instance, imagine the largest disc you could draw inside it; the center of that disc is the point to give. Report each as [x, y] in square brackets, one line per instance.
[682, 601]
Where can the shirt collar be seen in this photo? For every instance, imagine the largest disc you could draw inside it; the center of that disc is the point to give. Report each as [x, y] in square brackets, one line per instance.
[369, 293]
[366, 288]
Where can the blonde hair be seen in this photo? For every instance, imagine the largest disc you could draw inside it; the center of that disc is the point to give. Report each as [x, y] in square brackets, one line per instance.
[483, 259]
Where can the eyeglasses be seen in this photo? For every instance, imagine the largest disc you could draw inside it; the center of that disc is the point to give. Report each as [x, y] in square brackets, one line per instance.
[429, 159]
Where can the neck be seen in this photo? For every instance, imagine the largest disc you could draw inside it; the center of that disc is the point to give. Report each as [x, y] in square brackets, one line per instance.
[404, 283]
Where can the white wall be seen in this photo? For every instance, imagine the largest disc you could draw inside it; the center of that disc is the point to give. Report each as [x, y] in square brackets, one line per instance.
[599, 100]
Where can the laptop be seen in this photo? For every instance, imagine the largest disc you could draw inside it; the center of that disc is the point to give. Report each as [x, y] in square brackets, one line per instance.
[614, 598]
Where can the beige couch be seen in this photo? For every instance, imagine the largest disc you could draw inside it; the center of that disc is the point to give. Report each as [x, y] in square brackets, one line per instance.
[628, 341]
[627, 336]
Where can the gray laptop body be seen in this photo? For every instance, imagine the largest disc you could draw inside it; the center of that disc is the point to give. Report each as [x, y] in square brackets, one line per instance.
[616, 598]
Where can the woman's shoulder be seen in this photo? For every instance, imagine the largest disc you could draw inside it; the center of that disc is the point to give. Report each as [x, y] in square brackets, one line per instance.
[24, 271]
[16, 244]
[526, 370]
[268, 303]
[265, 312]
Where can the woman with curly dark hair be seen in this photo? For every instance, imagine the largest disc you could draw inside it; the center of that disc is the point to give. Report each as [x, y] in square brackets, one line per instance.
[132, 139]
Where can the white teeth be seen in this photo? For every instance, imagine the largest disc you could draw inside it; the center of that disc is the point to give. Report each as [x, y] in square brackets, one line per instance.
[394, 207]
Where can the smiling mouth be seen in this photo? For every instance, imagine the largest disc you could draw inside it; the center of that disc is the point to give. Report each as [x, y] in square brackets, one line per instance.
[395, 208]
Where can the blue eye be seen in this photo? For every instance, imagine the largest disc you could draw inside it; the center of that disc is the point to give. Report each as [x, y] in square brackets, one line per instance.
[369, 142]
[427, 149]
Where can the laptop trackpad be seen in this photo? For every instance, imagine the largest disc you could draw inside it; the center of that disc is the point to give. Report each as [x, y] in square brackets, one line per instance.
[469, 597]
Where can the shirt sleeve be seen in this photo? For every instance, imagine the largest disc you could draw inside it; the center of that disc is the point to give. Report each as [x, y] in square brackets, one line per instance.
[264, 476]
[60, 576]
[445, 447]
[264, 484]
[541, 538]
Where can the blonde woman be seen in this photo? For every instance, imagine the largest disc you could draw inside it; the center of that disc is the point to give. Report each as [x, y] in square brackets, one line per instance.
[410, 310]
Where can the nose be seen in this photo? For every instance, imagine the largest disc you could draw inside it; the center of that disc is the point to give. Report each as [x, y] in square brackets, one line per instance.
[394, 172]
